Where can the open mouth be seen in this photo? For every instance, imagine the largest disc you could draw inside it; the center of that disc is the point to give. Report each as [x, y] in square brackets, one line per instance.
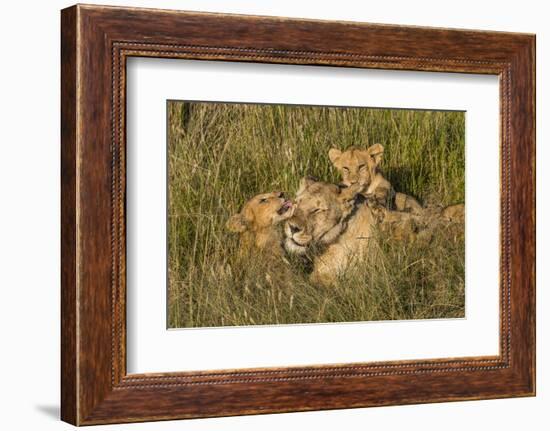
[285, 207]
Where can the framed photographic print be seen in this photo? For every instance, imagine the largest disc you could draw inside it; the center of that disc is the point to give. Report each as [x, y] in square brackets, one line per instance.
[268, 215]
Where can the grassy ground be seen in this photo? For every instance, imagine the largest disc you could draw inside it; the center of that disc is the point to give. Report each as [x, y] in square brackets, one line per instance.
[220, 155]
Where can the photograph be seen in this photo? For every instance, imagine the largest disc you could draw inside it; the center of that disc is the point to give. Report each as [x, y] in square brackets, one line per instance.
[297, 214]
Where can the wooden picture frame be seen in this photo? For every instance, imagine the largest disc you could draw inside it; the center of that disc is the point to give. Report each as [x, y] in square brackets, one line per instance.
[95, 43]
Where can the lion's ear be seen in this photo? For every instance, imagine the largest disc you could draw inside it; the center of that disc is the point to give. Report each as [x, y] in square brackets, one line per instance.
[334, 154]
[237, 223]
[376, 152]
[348, 201]
[305, 183]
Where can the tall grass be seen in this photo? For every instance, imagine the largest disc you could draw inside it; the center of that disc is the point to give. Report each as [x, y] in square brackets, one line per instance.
[220, 155]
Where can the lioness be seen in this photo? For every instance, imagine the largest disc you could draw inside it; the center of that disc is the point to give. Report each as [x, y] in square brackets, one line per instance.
[257, 222]
[362, 167]
[330, 221]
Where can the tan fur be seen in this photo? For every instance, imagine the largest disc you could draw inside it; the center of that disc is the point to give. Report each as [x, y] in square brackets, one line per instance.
[454, 213]
[257, 222]
[362, 167]
[398, 225]
[329, 219]
[419, 227]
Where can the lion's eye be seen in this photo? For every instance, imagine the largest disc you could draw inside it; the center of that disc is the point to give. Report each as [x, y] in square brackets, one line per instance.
[316, 210]
[345, 168]
[361, 167]
[263, 200]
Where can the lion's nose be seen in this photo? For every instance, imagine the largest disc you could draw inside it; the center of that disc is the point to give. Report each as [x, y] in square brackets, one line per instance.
[293, 228]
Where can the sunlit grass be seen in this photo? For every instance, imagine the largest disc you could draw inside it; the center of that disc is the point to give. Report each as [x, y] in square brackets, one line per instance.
[220, 155]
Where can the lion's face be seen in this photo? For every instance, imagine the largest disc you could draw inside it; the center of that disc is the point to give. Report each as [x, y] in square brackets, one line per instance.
[317, 219]
[357, 166]
[260, 212]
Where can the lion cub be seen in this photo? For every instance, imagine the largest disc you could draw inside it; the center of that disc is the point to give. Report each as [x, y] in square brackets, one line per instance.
[257, 222]
[362, 167]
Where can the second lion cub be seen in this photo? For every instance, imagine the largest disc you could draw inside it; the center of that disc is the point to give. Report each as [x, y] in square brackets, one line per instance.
[362, 167]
